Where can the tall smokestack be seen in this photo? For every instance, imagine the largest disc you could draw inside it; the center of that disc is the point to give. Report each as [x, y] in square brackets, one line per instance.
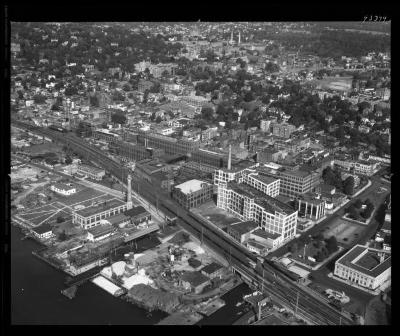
[239, 38]
[129, 192]
[145, 142]
[230, 158]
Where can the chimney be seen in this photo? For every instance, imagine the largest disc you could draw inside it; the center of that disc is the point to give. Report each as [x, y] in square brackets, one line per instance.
[129, 192]
[381, 257]
[230, 158]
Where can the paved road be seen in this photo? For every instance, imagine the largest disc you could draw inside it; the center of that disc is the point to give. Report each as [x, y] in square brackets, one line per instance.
[370, 229]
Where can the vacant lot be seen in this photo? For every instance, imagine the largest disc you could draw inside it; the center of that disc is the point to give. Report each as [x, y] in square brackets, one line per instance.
[81, 196]
[345, 232]
[216, 215]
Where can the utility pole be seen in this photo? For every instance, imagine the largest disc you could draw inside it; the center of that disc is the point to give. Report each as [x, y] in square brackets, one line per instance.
[297, 303]
[201, 235]
[262, 283]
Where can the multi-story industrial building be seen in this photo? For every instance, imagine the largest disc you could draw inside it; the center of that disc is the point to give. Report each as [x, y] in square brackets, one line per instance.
[294, 183]
[91, 216]
[283, 130]
[170, 145]
[269, 155]
[135, 152]
[193, 193]
[196, 101]
[104, 134]
[365, 267]
[266, 184]
[247, 203]
[144, 85]
[361, 167]
[292, 145]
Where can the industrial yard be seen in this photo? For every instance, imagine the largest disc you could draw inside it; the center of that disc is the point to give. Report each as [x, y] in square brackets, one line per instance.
[177, 276]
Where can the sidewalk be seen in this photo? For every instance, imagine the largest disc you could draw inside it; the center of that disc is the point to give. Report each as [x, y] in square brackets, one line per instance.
[362, 189]
[352, 284]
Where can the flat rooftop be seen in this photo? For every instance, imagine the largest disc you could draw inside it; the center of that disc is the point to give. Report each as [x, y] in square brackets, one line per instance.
[104, 206]
[269, 203]
[100, 230]
[256, 244]
[365, 260]
[264, 234]
[191, 186]
[264, 178]
[194, 278]
[211, 268]
[244, 227]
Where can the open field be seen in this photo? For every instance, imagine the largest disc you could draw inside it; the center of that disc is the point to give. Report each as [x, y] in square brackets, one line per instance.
[63, 205]
[47, 147]
[345, 232]
[336, 83]
[79, 197]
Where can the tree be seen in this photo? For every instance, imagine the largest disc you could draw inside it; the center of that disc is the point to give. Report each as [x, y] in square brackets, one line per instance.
[331, 244]
[94, 101]
[248, 97]
[319, 256]
[348, 185]
[126, 87]
[71, 90]
[353, 213]
[158, 119]
[62, 236]
[39, 99]
[55, 107]
[358, 204]
[118, 118]
[207, 113]
[60, 219]
[68, 160]
[271, 67]
[293, 248]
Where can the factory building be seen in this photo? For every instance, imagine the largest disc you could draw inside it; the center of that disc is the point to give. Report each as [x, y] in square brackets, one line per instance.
[91, 216]
[247, 203]
[192, 193]
[170, 145]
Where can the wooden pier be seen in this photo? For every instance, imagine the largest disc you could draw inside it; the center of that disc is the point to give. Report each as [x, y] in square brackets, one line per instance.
[70, 292]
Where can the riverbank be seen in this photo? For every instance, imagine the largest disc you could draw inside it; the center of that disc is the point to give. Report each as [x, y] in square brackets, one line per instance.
[35, 281]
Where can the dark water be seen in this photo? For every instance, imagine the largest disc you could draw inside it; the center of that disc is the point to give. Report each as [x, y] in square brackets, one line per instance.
[40, 301]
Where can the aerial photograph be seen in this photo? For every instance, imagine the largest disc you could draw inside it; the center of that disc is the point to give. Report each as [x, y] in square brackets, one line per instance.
[200, 173]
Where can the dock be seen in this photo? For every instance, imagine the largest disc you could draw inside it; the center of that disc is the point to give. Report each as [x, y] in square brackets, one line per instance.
[70, 292]
[55, 265]
[108, 286]
[181, 319]
[212, 307]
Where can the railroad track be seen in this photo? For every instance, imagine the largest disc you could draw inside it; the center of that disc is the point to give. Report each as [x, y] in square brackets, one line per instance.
[276, 284]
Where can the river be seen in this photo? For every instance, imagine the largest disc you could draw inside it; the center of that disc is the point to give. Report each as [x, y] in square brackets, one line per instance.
[36, 297]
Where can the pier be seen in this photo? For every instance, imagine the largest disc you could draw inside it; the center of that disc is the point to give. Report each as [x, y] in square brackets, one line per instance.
[70, 292]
